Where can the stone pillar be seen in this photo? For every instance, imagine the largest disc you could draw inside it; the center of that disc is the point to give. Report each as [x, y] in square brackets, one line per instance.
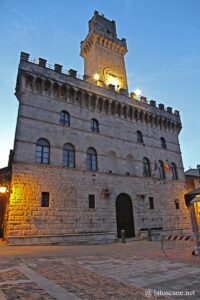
[161, 106]
[153, 103]
[42, 62]
[58, 68]
[169, 109]
[143, 99]
[111, 87]
[72, 73]
[176, 112]
[24, 56]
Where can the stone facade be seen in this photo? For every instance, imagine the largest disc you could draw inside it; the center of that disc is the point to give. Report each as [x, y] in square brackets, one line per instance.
[42, 94]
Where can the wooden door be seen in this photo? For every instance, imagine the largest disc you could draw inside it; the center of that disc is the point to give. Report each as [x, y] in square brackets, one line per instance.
[124, 214]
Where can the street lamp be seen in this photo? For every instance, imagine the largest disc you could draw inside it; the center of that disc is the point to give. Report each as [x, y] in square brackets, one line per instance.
[3, 189]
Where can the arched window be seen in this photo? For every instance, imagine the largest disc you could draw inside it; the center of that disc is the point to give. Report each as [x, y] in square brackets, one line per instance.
[68, 156]
[161, 169]
[42, 152]
[163, 143]
[174, 171]
[91, 159]
[94, 125]
[146, 167]
[64, 118]
[139, 137]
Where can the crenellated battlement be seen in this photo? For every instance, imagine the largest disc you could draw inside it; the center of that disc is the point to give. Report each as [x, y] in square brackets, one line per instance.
[55, 82]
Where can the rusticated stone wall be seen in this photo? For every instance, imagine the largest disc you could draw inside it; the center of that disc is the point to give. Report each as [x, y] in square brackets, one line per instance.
[68, 212]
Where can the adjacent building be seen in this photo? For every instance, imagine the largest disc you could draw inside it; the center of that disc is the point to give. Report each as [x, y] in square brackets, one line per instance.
[192, 177]
[90, 158]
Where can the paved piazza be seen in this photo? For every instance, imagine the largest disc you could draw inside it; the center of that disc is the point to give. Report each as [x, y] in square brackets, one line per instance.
[135, 270]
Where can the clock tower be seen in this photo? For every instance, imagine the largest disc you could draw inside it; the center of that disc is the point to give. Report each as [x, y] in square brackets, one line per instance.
[103, 54]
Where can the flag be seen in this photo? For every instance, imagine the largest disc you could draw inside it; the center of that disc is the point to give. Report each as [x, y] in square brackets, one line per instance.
[167, 169]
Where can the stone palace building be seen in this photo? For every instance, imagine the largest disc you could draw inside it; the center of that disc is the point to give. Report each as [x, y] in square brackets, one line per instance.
[90, 159]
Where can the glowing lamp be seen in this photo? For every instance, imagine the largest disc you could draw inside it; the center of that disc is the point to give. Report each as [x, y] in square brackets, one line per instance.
[3, 189]
[137, 92]
[96, 76]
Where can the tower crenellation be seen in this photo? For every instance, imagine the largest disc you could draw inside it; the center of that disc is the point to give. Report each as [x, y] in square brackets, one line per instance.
[103, 54]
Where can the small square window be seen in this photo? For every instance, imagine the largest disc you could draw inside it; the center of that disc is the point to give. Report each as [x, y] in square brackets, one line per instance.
[177, 204]
[91, 201]
[151, 203]
[45, 199]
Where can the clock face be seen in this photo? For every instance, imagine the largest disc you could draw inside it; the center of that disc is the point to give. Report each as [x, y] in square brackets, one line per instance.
[112, 78]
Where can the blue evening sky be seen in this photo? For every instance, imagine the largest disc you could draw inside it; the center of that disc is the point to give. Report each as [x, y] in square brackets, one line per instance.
[163, 60]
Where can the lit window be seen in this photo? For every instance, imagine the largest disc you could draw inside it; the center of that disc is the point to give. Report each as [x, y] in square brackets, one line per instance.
[42, 152]
[91, 199]
[174, 171]
[161, 169]
[94, 125]
[91, 159]
[64, 118]
[69, 156]
[45, 199]
[139, 137]
[163, 143]
[146, 167]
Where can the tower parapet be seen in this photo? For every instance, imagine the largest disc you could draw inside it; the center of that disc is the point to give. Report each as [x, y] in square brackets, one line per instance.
[103, 54]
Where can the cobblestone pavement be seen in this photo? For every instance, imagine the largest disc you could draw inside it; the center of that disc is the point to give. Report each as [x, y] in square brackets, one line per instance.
[135, 270]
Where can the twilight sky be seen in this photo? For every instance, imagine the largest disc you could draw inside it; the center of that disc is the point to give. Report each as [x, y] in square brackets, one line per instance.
[163, 38]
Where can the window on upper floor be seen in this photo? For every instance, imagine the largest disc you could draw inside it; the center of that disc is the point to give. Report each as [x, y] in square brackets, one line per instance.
[146, 167]
[139, 137]
[69, 155]
[163, 143]
[174, 171]
[161, 169]
[94, 125]
[64, 118]
[42, 152]
[91, 159]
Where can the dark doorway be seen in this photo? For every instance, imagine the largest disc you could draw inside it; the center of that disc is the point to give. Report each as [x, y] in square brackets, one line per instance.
[2, 213]
[124, 213]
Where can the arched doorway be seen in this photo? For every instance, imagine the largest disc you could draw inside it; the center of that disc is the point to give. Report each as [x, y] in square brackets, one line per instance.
[124, 214]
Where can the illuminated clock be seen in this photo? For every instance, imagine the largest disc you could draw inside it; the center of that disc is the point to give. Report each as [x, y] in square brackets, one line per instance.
[111, 77]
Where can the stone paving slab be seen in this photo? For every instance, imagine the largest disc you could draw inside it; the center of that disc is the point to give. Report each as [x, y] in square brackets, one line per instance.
[24, 291]
[93, 272]
[150, 273]
[86, 284]
[9, 274]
